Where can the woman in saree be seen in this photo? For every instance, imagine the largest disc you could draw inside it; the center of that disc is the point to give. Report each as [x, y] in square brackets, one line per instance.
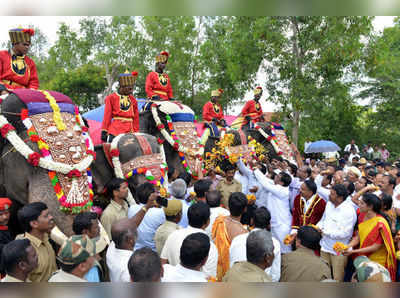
[374, 237]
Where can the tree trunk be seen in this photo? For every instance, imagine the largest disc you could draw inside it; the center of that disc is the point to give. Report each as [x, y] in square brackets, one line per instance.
[194, 68]
[298, 57]
[110, 77]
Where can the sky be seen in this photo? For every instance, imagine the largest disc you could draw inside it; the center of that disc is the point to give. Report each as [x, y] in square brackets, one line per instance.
[49, 25]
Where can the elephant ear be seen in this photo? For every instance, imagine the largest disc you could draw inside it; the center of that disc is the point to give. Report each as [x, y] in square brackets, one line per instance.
[11, 108]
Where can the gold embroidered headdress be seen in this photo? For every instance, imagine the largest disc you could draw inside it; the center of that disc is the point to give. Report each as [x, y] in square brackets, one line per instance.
[162, 57]
[18, 35]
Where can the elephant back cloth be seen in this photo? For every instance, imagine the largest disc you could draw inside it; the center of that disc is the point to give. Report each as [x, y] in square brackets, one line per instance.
[278, 131]
[183, 136]
[67, 144]
[148, 159]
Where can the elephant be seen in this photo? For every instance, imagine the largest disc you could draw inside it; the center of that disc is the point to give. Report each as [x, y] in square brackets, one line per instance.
[25, 183]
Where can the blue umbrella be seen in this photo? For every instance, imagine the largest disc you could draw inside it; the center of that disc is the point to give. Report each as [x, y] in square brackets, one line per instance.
[322, 146]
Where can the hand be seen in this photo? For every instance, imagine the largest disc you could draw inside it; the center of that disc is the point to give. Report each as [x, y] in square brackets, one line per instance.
[253, 189]
[151, 202]
[155, 97]
[348, 252]
[3, 92]
[104, 136]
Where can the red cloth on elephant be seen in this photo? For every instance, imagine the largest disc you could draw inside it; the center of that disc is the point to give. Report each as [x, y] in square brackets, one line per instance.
[313, 214]
[254, 110]
[124, 112]
[158, 84]
[12, 80]
[211, 111]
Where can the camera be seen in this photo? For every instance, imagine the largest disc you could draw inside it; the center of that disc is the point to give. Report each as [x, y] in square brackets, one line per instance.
[162, 201]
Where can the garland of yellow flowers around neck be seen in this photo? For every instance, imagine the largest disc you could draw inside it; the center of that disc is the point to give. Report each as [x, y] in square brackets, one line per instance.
[44, 159]
[114, 152]
[173, 140]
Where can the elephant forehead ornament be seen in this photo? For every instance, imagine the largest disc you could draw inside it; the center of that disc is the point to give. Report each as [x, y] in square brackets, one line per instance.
[65, 150]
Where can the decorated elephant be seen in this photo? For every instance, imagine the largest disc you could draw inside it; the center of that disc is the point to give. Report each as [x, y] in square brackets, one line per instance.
[47, 155]
[173, 124]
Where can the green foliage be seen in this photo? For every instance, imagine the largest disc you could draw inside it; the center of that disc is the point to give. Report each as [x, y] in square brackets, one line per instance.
[82, 84]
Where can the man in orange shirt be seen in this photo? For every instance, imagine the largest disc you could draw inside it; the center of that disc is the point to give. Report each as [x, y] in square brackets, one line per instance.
[213, 115]
[121, 107]
[158, 84]
[16, 69]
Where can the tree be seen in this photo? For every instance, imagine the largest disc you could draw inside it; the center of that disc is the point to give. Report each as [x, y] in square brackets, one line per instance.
[82, 84]
[309, 59]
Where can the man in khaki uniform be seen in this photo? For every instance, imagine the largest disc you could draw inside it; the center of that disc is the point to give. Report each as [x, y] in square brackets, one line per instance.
[19, 259]
[302, 264]
[76, 257]
[173, 215]
[117, 190]
[228, 185]
[260, 255]
[37, 223]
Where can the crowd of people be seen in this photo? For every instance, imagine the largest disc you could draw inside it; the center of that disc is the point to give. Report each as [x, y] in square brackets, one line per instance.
[311, 220]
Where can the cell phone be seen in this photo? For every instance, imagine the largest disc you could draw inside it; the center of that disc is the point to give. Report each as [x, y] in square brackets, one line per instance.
[162, 201]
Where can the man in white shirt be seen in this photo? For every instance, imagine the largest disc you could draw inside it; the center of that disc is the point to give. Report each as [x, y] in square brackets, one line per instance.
[193, 256]
[303, 173]
[278, 204]
[351, 145]
[260, 221]
[336, 225]
[213, 199]
[145, 266]
[199, 219]
[153, 218]
[124, 236]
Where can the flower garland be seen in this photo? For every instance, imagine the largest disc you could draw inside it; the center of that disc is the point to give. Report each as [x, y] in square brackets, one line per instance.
[21, 147]
[173, 140]
[270, 138]
[56, 110]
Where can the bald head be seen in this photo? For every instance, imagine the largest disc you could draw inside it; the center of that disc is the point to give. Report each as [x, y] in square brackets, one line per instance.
[213, 198]
[124, 234]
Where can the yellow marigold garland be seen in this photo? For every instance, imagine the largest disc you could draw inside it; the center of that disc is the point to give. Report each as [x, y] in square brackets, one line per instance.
[56, 110]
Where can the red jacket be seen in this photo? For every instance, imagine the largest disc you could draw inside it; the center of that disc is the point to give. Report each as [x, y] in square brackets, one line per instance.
[312, 216]
[158, 84]
[125, 115]
[253, 109]
[211, 111]
[28, 79]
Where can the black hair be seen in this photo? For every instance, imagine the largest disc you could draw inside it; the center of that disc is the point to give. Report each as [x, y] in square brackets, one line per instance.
[372, 200]
[380, 164]
[30, 212]
[119, 236]
[201, 187]
[213, 198]
[83, 221]
[262, 218]
[185, 176]
[194, 249]
[263, 169]
[198, 214]
[311, 185]
[329, 177]
[293, 168]
[143, 192]
[144, 265]
[340, 190]
[309, 237]
[286, 179]
[309, 172]
[371, 173]
[237, 203]
[113, 184]
[350, 188]
[67, 267]
[387, 202]
[13, 253]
